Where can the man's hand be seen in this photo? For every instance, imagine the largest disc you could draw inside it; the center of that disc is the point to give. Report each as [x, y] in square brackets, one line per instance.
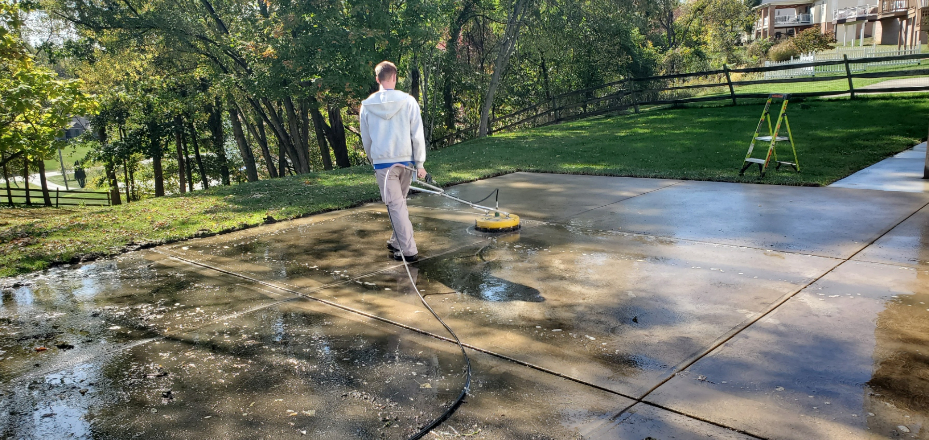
[421, 173]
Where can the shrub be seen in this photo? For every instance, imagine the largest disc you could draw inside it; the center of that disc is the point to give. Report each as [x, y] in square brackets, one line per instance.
[783, 51]
[757, 50]
[812, 40]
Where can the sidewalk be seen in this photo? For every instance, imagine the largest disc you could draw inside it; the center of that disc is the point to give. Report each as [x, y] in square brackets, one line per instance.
[902, 172]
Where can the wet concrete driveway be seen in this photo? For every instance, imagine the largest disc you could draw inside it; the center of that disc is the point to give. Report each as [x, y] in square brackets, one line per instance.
[624, 309]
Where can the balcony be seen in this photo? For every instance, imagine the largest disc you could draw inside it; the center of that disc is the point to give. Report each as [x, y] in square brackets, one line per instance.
[762, 23]
[856, 13]
[894, 7]
[793, 20]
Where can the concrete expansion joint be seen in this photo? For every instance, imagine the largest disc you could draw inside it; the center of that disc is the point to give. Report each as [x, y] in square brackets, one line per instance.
[741, 328]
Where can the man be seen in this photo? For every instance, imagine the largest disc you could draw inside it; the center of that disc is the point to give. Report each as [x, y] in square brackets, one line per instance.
[392, 134]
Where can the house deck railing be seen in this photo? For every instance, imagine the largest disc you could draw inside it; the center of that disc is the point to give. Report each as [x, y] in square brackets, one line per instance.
[789, 20]
[855, 12]
[893, 6]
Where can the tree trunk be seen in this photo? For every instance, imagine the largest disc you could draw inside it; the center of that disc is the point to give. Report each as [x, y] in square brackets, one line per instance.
[26, 180]
[337, 137]
[115, 196]
[415, 82]
[189, 166]
[300, 157]
[285, 142]
[134, 191]
[450, 64]
[200, 167]
[251, 171]
[6, 178]
[544, 69]
[510, 34]
[262, 138]
[157, 168]
[44, 183]
[320, 125]
[110, 173]
[181, 162]
[305, 127]
[126, 179]
[215, 121]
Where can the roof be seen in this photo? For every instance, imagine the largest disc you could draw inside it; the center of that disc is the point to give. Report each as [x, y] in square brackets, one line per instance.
[766, 3]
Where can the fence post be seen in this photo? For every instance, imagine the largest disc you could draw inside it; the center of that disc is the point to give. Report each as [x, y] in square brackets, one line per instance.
[926, 166]
[554, 105]
[848, 71]
[729, 81]
[635, 102]
[56, 197]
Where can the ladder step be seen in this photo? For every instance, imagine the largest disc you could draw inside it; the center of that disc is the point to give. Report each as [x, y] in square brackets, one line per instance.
[768, 138]
[753, 160]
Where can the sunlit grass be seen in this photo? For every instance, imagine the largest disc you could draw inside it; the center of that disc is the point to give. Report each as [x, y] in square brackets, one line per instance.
[834, 139]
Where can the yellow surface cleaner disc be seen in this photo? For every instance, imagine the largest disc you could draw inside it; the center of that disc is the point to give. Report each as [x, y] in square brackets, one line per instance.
[497, 223]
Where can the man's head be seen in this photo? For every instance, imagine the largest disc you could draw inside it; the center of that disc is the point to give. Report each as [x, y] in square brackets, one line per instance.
[386, 73]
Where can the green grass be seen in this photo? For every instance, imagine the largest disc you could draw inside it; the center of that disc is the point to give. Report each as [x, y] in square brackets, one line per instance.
[834, 139]
[69, 154]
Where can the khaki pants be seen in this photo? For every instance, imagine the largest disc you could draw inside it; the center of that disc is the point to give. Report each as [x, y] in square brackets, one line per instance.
[393, 193]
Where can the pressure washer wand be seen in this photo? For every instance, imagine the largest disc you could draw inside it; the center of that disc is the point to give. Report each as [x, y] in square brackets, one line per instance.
[432, 189]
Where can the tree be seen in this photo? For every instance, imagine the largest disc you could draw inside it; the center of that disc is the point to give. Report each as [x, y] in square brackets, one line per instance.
[35, 106]
[508, 43]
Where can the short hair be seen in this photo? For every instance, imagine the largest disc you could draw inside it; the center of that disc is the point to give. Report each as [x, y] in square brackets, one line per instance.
[384, 70]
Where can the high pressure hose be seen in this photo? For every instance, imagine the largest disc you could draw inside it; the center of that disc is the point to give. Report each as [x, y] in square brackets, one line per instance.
[467, 386]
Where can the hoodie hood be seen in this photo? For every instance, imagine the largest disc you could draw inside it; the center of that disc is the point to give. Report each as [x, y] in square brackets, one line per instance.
[386, 103]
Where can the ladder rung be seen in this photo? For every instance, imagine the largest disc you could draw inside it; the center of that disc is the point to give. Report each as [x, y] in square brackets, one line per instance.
[768, 138]
[753, 160]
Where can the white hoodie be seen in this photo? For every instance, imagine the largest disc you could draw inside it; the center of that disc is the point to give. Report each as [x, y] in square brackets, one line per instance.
[392, 128]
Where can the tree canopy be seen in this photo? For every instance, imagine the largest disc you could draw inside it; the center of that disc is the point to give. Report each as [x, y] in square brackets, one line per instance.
[216, 91]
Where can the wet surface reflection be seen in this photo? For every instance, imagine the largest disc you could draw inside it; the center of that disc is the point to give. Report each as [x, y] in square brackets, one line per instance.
[617, 310]
[617, 298]
[310, 253]
[848, 355]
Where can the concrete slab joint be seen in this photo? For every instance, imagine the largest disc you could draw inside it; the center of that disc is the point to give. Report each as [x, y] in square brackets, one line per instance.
[648, 307]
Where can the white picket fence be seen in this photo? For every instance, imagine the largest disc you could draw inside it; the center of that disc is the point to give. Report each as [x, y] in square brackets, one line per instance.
[858, 56]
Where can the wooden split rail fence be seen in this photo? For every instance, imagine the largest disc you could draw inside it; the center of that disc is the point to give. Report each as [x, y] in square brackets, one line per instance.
[699, 87]
[18, 197]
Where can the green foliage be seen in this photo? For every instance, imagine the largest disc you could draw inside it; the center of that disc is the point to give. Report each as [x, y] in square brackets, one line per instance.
[812, 40]
[717, 27]
[783, 51]
[35, 106]
[757, 51]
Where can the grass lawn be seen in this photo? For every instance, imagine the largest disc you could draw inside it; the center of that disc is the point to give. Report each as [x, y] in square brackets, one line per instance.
[69, 154]
[834, 139]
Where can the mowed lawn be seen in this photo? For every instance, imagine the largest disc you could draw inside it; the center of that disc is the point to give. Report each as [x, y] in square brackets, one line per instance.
[834, 139]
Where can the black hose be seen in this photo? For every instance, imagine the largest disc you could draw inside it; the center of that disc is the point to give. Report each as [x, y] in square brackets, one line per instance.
[467, 386]
[495, 191]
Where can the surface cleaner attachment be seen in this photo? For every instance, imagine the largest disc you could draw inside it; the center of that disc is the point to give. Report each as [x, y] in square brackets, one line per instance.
[494, 220]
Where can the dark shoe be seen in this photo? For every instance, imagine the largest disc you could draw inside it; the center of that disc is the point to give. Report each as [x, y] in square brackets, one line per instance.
[391, 248]
[409, 258]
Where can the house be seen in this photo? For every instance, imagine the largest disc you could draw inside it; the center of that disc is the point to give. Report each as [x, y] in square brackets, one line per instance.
[77, 127]
[888, 21]
[784, 18]
[900, 22]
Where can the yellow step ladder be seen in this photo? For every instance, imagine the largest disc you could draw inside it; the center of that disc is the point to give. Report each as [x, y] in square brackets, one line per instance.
[772, 138]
